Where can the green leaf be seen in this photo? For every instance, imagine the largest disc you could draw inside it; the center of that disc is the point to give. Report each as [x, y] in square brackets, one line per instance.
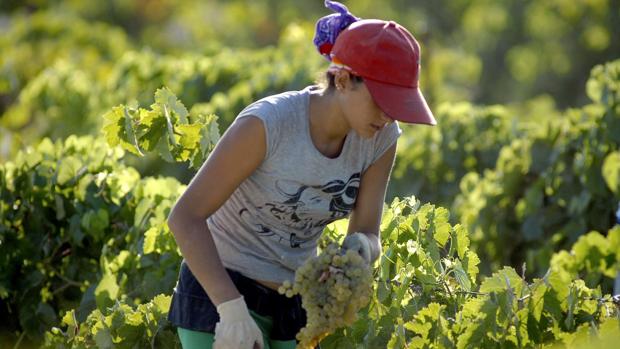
[106, 291]
[522, 335]
[60, 208]
[383, 292]
[189, 136]
[430, 245]
[417, 342]
[95, 222]
[592, 247]
[129, 133]
[214, 130]
[162, 303]
[150, 240]
[537, 299]
[103, 338]
[398, 336]
[442, 232]
[611, 172]
[142, 213]
[113, 125]
[172, 140]
[609, 333]
[405, 284]
[46, 314]
[133, 319]
[461, 276]
[422, 328]
[70, 321]
[498, 281]
[387, 264]
[337, 340]
[483, 322]
[613, 236]
[165, 98]
[68, 168]
[470, 263]
[462, 240]
[163, 150]
[555, 297]
[152, 127]
[441, 225]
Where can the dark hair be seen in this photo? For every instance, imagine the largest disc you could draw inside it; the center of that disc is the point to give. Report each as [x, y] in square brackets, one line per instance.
[327, 80]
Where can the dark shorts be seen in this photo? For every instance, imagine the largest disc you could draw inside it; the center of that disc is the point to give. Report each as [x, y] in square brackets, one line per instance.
[192, 309]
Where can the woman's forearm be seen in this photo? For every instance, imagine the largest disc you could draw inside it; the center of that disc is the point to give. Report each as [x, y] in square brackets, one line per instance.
[197, 247]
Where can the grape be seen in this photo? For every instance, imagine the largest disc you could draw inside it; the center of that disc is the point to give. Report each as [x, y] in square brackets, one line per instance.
[333, 286]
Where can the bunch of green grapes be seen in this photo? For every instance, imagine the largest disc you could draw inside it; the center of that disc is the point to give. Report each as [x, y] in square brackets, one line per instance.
[333, 286]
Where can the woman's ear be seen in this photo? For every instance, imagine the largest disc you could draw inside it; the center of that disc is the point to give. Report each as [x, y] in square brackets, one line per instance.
[342, 79]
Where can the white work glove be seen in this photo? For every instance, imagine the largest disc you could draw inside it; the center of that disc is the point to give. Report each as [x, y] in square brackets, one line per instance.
[236, 329]
[359, 243]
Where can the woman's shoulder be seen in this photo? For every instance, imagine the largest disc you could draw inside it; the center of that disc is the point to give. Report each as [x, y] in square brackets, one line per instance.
[279, 104]
[280, 115]
[286, 96]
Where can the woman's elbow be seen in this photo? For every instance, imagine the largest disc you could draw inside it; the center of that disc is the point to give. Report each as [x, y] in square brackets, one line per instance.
[179, 219]
[175, 218]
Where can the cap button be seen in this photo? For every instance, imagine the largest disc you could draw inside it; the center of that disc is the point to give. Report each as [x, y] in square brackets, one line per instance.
[392, 24]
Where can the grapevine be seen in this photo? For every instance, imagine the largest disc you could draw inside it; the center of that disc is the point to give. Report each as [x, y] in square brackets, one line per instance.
[518, 248]
[333, 286]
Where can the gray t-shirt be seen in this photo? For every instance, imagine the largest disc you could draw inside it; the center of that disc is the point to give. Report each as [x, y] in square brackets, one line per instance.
[271, 223]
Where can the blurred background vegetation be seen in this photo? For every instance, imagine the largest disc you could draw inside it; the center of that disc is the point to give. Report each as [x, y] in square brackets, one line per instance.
[482, 51]
[526, 152]
[492, 71]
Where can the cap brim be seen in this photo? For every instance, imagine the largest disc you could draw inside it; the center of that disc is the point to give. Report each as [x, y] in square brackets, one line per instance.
[406, 104]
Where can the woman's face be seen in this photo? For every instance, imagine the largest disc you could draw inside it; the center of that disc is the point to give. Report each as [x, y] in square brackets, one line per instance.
[359, 109]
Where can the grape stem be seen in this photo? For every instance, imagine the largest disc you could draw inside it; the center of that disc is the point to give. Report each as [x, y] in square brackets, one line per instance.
[332, 270]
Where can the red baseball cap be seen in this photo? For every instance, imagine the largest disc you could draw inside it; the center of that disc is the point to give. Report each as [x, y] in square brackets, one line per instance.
[387, 56]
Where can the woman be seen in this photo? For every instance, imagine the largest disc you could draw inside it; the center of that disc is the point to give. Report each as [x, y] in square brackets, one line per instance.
[287, 166]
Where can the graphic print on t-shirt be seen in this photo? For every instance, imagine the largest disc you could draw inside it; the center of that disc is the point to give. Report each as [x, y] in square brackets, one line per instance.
[305, 208]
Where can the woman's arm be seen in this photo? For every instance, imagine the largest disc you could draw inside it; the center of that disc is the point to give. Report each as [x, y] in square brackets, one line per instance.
[238, 153]
[366, 216]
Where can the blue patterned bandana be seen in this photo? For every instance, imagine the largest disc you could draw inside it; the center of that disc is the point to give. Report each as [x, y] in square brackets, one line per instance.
[328, 27]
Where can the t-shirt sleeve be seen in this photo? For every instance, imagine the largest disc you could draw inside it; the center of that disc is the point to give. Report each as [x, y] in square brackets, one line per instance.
[385, 139]
[267, 113]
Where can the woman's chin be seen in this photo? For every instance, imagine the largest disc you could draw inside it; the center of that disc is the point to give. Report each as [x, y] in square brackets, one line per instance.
[366, 133]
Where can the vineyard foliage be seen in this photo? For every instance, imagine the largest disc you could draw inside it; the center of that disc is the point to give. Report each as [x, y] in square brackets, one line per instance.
[427, 268]
[526, 185]
[84, 230]
[426, 294]
[432, 161]
[167, 128]
[102, 204]
[105, 262]
[519, 248]
[68, 96]
[482, 50]
[551, 185]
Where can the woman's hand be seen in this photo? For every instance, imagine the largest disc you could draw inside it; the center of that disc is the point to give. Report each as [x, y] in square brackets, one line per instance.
[361, 243]
[236, 329]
